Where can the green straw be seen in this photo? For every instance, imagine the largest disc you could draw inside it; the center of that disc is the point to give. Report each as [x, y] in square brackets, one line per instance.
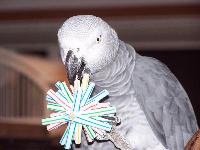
[99, 112]
[51, 120]
[89, 131]
[67, 92]
[55, 107]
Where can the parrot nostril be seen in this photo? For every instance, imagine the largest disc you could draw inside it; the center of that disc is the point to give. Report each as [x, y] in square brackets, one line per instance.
[78, 49]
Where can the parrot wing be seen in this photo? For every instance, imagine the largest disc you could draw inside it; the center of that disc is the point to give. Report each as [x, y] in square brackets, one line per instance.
[164, 102]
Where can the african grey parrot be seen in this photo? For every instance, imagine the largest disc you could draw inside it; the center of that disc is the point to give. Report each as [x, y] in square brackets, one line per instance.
[155, 111]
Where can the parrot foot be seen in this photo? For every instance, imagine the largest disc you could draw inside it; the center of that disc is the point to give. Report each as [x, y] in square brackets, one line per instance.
[115, 137]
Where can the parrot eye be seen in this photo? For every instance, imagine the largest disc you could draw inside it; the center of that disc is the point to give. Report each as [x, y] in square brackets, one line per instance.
[99, 39]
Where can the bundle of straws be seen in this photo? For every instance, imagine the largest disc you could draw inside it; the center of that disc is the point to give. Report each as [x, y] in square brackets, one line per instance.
[78, 111]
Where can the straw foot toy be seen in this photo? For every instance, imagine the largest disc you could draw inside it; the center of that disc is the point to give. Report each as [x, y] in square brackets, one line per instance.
[80, 112]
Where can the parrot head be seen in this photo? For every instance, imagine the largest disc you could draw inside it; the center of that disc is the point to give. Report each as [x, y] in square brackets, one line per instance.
[87, 44]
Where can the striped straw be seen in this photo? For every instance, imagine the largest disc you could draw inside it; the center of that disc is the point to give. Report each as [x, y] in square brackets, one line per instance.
[88, 93]
[57, 114]
[70, 135]
[65, 135]
[99, 112]
[71, 87]
[87, 135]
[55, 119]
[94, 105]
[56, 107]
[67, 92]
[101, 119]
[99, 131]
[50, 99]
[101, 105]
[76, 85]
[98, 97]
[61, 94]
[77, 100]
[60, 100]
[81, 119]
[77, 136]
[58, 85]
[85, 81]
[53, 126]
[63, 90]
[89, 132]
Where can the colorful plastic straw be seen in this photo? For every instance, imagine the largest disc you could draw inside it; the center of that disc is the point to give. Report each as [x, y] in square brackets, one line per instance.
[80, 112]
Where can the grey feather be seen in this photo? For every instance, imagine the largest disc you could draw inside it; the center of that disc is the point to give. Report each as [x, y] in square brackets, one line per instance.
[160, 95]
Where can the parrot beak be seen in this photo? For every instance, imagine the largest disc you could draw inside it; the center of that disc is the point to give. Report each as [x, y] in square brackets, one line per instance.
[74, 66]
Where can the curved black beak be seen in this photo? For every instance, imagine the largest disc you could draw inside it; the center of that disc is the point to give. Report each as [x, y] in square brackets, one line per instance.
[74, 66]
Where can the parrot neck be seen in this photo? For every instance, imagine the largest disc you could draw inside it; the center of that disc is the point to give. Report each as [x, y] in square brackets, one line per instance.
[116, 76]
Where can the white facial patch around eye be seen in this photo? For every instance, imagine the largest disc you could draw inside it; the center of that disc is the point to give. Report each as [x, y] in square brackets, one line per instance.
[94, 43]
[73, 44]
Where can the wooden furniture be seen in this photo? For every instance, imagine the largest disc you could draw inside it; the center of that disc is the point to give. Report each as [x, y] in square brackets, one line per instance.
[194, 143]
[24, 81]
